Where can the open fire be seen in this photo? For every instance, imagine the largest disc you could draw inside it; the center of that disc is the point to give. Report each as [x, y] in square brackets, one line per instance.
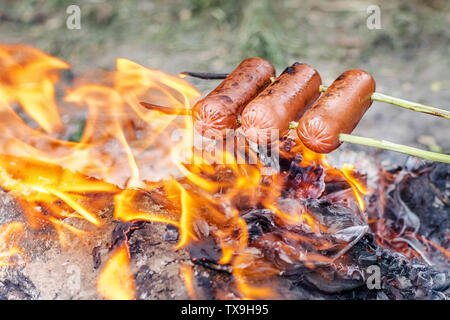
[307, 222]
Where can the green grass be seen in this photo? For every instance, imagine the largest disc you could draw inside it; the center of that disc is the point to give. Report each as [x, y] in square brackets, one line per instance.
[231, 29]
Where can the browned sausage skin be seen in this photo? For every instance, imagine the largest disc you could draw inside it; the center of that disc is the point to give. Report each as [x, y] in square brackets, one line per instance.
[337, 111]
[219, 110]
[283, 101]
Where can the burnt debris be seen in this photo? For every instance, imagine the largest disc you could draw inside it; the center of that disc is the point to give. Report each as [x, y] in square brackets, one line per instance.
[395, 251]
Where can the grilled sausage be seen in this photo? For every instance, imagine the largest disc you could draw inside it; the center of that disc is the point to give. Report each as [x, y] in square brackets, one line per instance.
[283, 101]
[337, 111]
[219, 110]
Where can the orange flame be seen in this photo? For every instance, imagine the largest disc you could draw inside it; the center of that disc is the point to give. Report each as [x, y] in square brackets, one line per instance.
[126, 151]
[358, 188]
[116, 282]
[10, 234]
[28, 78]
[188, 278]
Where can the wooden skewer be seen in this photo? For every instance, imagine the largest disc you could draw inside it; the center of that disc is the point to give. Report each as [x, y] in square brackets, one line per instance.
[204, 75]
[410, 105]
[376, 96]
[387, 145]
[380, 144]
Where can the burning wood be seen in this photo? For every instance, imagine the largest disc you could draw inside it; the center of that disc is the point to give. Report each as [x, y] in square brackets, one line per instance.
[140, 214]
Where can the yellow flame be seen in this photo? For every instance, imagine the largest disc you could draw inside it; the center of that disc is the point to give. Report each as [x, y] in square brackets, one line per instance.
[123, 147]
[188, 278]
[116, 282]
[10, 234]
[357, 186]
[28, 78]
